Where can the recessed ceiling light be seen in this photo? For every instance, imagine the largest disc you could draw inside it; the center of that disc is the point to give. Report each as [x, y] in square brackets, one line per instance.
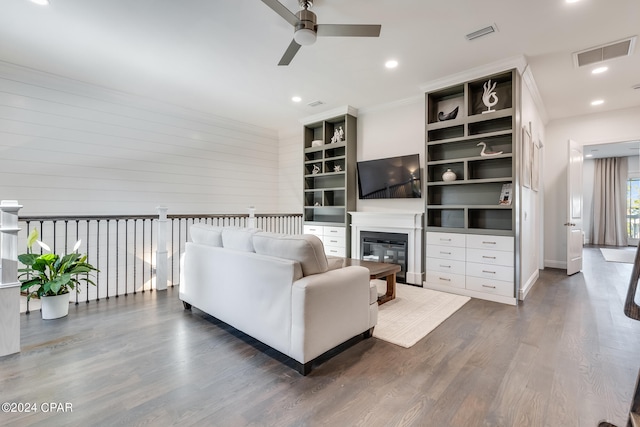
[392, 63]
[597, 102]
[589, 155]
[296, 99]
[599, 70]
[41, 2]
[572, 1]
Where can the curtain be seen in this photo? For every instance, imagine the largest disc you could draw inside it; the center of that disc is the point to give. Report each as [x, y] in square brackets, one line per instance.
[609, 225]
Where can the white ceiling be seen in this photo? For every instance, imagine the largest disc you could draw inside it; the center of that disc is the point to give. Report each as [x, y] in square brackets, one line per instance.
[220, 56]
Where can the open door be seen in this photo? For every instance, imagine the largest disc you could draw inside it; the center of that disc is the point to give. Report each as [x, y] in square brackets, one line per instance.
[575, 240]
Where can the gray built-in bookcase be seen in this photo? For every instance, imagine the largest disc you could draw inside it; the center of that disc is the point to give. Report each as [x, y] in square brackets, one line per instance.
[470, 204]
[471, 238]
[329, 193]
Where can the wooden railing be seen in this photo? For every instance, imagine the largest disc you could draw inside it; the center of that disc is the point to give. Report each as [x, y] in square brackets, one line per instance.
[130, 251]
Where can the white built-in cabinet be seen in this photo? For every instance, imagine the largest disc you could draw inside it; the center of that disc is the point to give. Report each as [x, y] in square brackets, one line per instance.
[471, 237]
[333, 238]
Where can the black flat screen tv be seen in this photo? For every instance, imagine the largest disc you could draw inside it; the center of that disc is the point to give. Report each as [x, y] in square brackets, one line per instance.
[390, 178]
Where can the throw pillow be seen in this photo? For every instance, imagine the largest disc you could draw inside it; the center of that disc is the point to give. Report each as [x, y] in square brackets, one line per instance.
[206, 234]
[307, 249]
[239, 239]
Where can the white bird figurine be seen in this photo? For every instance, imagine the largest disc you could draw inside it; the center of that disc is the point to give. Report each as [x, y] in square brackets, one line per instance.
[484, 153]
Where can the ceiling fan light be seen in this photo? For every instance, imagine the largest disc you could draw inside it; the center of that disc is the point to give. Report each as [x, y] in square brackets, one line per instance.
[304, 37]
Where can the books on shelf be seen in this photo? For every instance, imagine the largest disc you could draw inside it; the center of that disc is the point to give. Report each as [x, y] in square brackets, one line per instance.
[505, 195]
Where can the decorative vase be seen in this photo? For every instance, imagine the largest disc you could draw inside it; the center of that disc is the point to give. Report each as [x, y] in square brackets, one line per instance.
[55, 307]
[449, 176]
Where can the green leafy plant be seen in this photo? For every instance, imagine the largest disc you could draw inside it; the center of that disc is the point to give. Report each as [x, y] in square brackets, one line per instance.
[50, 274]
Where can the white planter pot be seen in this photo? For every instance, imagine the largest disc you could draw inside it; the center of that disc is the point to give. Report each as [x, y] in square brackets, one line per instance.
[55, 306]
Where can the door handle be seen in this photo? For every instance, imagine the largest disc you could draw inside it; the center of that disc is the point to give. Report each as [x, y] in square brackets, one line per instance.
[569, 224]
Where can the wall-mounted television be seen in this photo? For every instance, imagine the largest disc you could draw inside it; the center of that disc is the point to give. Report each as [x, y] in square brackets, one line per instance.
[390, 178]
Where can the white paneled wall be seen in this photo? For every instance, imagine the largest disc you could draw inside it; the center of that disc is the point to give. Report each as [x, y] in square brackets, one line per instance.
[71, 148]
[291, 176]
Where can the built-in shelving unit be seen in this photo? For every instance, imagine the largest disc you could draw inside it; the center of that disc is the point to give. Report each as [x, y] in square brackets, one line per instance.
[470, 235]
[471, 202]
[330, 180]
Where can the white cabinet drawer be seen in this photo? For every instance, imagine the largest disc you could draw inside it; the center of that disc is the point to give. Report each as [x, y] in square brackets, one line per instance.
[485, 256]
[335, 251]
[489, 286]
[497, 243]
[445, 265]
[445, 252]
[335, 231]
[495, 272]
[333, 241]
[317, 230]
[445, 239]
[445, 279]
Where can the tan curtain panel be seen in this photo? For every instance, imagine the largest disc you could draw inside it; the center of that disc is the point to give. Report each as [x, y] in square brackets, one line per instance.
[609, 202]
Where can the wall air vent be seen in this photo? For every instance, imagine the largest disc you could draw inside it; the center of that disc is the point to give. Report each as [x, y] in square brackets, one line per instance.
[482, 32]
[605, 52]
[315, 103]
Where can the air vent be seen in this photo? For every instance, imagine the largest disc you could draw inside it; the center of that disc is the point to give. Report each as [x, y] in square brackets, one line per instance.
[482, 32]
[605, 52]
[315, 103]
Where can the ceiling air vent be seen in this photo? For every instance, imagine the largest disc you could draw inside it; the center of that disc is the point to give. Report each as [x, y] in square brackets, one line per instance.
[482, 32]
[604, 52]
[315, 103]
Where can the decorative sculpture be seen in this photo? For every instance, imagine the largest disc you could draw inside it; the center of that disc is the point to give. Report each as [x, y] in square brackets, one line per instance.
[337, 168]
[316, 169]
[338, 135]
[485, 153]
[449, 176]
[489, 97]
[452, 115]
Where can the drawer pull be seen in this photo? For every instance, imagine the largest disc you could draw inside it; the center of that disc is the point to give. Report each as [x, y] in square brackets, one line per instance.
[444, 279]
[332, 250]
[445, 266]
[445, 240]
[333, 231]
[333, 241]
[488, 257]
[488, 243]
[489, 272]
[445, 253]
[487, 286]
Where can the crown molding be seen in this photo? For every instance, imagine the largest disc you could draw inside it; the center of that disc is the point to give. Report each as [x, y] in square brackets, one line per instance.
[529, 81]
[339, 111]
[519, 62]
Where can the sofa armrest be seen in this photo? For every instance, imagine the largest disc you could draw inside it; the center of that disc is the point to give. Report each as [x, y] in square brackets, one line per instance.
[328, 309]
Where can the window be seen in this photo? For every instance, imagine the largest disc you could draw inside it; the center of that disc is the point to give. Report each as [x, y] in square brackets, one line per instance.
[633, 210]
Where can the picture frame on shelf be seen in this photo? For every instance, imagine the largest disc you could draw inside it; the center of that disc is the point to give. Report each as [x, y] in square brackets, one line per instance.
[526, 157]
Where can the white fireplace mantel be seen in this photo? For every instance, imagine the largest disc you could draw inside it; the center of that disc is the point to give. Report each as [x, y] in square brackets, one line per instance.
[409, 223]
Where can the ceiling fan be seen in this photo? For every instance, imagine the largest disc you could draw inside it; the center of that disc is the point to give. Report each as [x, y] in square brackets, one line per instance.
[306, 30]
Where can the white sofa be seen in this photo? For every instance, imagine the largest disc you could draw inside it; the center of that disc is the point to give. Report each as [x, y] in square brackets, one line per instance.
[279, 289]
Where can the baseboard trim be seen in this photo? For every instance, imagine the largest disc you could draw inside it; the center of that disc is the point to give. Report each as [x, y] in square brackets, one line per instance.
[528, 285]
[555, 264]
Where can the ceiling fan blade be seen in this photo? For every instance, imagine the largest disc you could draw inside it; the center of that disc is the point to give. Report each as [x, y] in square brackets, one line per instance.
[282, 11]
[340, 30]
[289, 53]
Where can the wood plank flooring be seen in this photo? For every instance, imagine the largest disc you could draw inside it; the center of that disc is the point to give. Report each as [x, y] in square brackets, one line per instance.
[567, 356]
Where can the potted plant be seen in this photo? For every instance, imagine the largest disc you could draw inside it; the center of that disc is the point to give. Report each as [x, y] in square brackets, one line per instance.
[51, 277]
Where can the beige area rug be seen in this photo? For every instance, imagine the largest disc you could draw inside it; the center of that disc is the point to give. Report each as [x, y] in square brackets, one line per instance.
[413, 313]
[619, 255]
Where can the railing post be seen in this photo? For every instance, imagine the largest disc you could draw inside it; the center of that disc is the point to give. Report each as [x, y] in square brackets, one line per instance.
[252, 217]
[161, 249]
[9, 285]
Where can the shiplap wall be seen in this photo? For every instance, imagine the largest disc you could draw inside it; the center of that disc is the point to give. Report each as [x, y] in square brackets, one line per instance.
[70, 148]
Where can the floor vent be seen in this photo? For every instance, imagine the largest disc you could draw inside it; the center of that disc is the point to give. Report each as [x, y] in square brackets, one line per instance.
[605, 52]
[482, 32]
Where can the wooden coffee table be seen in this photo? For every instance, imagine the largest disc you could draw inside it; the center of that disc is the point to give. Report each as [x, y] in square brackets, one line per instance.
[379, 270]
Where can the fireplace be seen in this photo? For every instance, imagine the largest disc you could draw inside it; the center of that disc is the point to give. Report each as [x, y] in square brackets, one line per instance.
[406, 223]
[385, 247]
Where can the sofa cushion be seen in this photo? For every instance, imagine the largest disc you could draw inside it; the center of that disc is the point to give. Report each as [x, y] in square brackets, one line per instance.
[307, 249]
[239, 239]
[205, 234]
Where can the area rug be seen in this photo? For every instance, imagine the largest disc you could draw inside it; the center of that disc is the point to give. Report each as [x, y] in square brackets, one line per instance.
[414, 313]
[619, 255]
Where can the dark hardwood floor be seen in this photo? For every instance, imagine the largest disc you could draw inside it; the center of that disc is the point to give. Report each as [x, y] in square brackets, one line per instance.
[567, 356]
